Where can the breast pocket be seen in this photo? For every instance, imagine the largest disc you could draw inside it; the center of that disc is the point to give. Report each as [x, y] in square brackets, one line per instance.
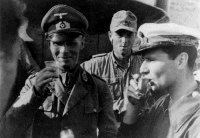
[114, 86]
[91, 115]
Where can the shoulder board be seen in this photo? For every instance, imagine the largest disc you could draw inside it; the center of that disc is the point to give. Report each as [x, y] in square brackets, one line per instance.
[96, 76]
[99, 55]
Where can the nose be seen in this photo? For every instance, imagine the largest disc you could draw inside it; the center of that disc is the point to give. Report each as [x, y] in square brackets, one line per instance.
[124, 40]
[64, 48]
[144, 69]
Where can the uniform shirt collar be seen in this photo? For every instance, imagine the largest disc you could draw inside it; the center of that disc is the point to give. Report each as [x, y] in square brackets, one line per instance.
[69, 78]
[116, 64]
[184, 108]
[166, 103]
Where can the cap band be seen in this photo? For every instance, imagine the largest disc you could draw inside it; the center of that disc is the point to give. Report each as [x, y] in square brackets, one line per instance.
[166, 40]
[64, 18]
[153, 35]
[175, 39]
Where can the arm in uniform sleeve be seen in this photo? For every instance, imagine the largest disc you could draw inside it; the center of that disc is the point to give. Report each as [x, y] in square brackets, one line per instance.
[136, 118]
[94, 65]
[87, 65]
[129, 120]
[21, 114]
[27, 60]
[107, 122]
[136, 129]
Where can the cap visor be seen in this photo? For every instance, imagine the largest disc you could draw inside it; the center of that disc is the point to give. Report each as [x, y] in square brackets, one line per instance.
[123, 28]
[139, 52]
[71, 30]
[144, 50]
[58, 36]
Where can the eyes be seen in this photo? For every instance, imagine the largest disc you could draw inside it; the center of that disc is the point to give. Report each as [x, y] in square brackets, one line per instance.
[126, 33]
[148, 59]
[57, 43]
[69, 44]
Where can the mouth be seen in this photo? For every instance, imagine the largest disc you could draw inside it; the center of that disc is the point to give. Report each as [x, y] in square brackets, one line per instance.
[150, 82]
[64, 58]
[124, 46]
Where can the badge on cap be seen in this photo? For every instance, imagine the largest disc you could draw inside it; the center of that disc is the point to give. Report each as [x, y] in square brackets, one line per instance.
[144, 40]
[62, 25]
[126, 23]
[60, 15]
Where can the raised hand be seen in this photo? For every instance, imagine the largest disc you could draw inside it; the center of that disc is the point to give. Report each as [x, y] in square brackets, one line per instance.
[137, 89]
[44, 77]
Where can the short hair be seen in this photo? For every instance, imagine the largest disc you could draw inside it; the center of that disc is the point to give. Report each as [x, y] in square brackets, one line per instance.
[174, 51]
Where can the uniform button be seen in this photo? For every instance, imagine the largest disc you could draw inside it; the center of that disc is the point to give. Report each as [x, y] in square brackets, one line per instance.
[195, 94]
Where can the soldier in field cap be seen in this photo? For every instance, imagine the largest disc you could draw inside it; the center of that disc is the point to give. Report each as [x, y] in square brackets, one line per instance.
[169, 51]
[117, 66]
[124, 20]
[65, 95]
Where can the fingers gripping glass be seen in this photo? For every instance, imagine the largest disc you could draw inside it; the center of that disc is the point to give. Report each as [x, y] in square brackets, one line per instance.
[51, 85]
[141, 84]
[52, 64]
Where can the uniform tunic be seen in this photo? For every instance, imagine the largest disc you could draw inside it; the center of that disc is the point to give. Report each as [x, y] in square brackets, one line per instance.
[182, 120]
[83, 108]
[117, 78]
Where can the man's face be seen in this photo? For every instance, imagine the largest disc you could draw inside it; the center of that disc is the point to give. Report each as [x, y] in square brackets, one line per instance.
[159, 69]
[66, 51]
[122, 41]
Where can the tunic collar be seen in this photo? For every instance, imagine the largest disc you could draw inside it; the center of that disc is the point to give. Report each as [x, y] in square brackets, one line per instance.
[184, 109]
[69, 78]
[116, 64]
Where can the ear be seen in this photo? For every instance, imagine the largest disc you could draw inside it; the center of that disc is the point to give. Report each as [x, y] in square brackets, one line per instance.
[110, 36]
[182, 60]
[83, 42]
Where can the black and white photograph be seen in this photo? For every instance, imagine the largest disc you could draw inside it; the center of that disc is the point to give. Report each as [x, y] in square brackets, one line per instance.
[99, 68]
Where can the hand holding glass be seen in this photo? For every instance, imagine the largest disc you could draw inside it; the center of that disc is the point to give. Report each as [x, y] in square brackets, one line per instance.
[52, 64]
[137, 89]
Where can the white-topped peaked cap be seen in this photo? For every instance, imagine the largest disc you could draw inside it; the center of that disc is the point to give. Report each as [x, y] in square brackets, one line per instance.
[154, 35]
[154, 29]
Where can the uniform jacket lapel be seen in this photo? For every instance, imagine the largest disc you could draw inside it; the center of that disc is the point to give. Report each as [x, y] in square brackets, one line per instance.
[60, 92]
[79, 91]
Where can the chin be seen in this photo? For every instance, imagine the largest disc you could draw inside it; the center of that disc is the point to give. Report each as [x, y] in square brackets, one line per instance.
[63, 66]
[68, 67]
[125, 53]
[154, 89]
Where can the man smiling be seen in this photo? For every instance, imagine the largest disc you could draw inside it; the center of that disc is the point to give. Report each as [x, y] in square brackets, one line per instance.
[76, 100]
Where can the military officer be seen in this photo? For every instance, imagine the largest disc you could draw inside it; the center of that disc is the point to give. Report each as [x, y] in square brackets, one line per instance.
[75, 99]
